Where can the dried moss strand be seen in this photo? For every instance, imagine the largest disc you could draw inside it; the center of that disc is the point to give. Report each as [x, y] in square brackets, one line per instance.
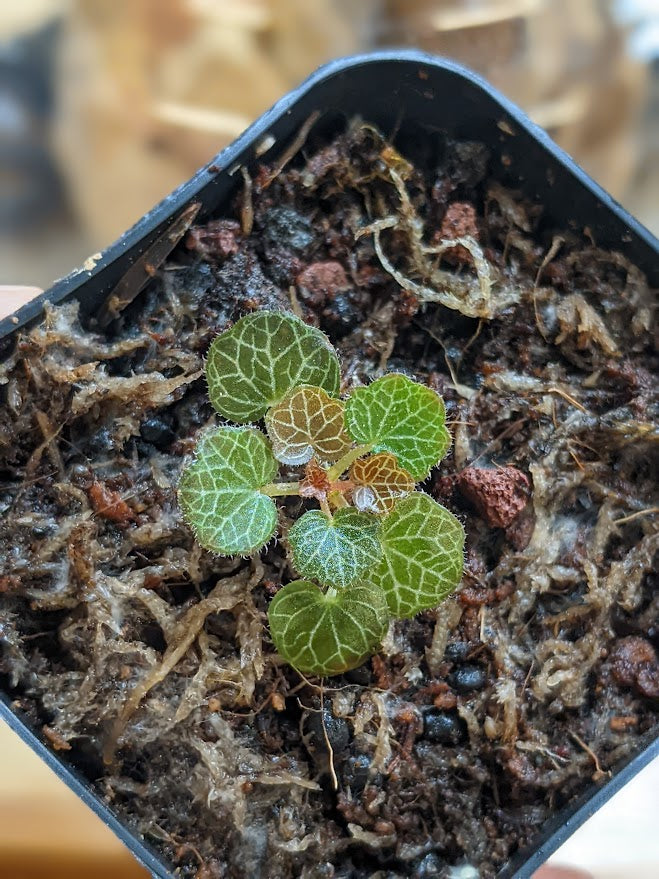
[224, 596]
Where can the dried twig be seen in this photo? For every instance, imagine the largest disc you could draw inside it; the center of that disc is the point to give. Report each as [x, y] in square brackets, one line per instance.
[296, 145]
[146, 265]
[330, 749]
[247, 208]
[556, 244]
[567, 397]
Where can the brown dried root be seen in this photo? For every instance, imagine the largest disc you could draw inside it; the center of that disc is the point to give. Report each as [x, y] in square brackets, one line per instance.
[373, 711]
[514, 212]
[293, 148]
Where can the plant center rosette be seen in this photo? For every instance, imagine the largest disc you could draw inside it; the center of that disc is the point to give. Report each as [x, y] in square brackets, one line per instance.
[375, 549]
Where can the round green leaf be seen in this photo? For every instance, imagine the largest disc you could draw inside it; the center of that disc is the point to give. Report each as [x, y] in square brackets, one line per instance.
[335, 551]
[307, 422]
[219, 491]
[403, 417]
[422, 545]
[253, 365]
[327, 633]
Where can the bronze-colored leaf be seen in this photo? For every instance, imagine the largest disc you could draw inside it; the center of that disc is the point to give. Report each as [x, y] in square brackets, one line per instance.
[307, 422]
[379, 483]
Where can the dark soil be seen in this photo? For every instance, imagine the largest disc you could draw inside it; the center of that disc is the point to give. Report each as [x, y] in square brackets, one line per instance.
[476, 721]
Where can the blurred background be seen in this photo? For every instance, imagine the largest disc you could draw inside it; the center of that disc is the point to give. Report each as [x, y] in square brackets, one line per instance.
[108, 105]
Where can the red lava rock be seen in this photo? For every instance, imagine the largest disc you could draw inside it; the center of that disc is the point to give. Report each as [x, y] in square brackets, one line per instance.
[459, 221]
[498, 494]
[353, 812]
[637, 384]
[7, 584]
[433, 690]
[473, 596]
[557, 273]
[217, 240]
[647, 682]
[634, 664]
[56, 739]
[369, 277]
[504, 590]
[406, 307]
[271, 587]
[446, 701]
[407, 714]
[109, 504]
[321, 280]
[183, 446]
[322, 162]
[386, 828]
[383, 678]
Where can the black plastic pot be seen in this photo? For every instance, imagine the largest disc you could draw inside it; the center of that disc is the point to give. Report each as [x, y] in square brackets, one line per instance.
[411, 92]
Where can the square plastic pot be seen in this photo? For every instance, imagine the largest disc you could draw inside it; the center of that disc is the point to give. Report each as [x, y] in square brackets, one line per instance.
[413, 92]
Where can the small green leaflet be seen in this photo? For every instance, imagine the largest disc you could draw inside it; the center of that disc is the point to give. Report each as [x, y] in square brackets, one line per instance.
[253, 365]
[327, 633]
[306, 422]
[219, 491]
[423, 548]
[403, 417]
[335, 551]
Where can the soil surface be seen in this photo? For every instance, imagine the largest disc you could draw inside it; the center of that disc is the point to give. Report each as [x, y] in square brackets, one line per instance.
[477, 720]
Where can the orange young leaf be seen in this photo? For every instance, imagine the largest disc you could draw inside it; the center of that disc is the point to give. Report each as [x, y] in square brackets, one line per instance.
[379, 483]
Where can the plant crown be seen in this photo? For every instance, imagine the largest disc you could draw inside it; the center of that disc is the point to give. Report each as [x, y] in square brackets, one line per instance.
[376, 549]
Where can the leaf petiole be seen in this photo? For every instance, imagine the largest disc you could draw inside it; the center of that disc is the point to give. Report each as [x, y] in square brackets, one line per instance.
[325, 507]
[280, 489]
[349, 458]
[336, 500]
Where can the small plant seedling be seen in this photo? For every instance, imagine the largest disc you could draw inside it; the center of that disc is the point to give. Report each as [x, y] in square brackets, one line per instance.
[375, 549]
